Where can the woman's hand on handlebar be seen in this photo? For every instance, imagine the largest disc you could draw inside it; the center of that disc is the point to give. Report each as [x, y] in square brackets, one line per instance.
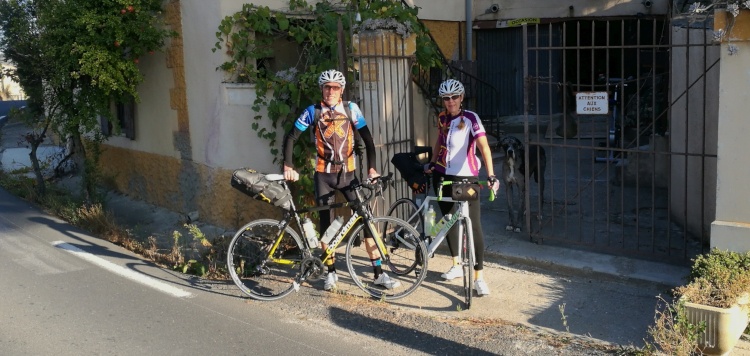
[493, 184]
[429, 167]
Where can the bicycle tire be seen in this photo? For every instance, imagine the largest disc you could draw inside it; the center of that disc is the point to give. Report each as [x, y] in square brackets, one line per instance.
[467, 262]
[252, 271]
[407, 210]
[360, 266]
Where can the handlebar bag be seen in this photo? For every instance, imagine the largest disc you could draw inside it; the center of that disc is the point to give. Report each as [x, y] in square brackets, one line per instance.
[465, 191]
[257, 186]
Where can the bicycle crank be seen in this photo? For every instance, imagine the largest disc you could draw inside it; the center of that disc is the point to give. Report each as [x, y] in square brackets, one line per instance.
[312, 269]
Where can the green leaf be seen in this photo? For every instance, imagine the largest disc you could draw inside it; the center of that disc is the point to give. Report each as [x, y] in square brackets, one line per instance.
[282, 21]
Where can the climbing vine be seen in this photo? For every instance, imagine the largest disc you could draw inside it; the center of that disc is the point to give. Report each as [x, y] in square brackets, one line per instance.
[248, 38]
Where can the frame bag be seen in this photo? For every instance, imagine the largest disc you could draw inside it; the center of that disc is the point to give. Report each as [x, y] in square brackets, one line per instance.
[257, 186]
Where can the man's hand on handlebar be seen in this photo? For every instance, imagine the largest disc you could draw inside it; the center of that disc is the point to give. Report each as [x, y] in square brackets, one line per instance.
[290, 174]
[372, 174]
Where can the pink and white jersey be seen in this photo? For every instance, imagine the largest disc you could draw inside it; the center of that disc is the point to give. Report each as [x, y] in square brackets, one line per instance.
[457, 154]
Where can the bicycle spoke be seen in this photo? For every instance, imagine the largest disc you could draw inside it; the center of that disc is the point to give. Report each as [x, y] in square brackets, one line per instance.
[403, 266]
[261, 268]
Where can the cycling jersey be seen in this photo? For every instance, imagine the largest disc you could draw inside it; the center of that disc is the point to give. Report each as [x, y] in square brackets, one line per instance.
[333, 135]
[457, 154]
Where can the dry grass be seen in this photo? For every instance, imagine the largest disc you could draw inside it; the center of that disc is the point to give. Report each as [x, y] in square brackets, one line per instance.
[671, 332]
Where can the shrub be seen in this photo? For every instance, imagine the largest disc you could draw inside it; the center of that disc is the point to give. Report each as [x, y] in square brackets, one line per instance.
[718, 279]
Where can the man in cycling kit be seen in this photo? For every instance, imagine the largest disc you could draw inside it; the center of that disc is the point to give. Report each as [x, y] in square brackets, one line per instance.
[334, 139]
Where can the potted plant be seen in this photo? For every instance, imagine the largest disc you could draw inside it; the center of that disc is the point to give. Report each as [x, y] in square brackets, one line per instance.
[717, 297]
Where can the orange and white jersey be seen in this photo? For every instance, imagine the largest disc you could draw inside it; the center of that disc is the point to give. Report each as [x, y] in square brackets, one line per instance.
[334, 135]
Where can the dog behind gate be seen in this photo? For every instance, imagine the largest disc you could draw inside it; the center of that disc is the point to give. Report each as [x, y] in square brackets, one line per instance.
[514, 173]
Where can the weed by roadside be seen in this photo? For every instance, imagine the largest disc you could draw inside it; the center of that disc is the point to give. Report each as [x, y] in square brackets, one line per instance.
[206, 257]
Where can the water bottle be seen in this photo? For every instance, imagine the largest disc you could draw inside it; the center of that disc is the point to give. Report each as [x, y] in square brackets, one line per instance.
[332, 230]
[308, 228]
[439, 226]
[429, 221]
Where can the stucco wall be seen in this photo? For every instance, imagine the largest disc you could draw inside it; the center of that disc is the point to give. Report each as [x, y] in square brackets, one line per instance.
[693, 130]
[189, 134]
[513, 9]
[731, 229]
[455, 10]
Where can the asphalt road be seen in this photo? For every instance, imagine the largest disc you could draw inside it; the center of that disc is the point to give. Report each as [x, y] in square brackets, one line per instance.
[67, 293]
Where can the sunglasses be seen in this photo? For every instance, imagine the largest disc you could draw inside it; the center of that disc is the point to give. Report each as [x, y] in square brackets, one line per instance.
[454, 97]
[332, 87]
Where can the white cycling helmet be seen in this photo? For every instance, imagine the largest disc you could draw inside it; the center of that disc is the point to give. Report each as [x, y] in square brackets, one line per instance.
[451, 87]
[332, 76]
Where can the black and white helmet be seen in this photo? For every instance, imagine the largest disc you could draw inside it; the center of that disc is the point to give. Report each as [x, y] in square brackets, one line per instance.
[332, 76]
[451, 87]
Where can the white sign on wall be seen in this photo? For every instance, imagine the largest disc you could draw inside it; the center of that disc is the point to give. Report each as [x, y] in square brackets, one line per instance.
[592, 103]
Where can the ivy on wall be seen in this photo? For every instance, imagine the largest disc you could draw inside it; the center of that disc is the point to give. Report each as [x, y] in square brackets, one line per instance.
[251, 36]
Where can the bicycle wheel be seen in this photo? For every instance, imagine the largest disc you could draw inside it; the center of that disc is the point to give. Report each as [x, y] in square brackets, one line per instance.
[359, 263]
[467, 262]
[407, 210]
[258, 274]
[404, 209]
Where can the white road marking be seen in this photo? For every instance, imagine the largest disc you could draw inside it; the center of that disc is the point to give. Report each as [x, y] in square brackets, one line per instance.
[122, 271]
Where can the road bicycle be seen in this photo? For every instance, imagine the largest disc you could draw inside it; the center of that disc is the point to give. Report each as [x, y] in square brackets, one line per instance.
[268, 259]
[414, 214]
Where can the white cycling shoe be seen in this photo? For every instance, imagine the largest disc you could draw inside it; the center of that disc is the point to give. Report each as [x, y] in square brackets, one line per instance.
[481, 287]
[331, 280]
[453, 273]
[387, 282]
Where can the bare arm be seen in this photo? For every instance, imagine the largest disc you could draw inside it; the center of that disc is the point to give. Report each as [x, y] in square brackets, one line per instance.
[484, 147]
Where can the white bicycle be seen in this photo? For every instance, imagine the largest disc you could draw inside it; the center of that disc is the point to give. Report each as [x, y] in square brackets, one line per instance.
[414, 214]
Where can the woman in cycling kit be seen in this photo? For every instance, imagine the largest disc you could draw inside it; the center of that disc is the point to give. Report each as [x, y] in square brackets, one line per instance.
[460, 132]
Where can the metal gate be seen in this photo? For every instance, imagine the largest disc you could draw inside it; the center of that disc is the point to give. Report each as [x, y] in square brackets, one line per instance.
[626, 113]
[382, 62]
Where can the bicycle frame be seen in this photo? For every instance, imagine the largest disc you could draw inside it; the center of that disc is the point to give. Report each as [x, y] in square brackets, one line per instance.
[294, 214]
[462, 213]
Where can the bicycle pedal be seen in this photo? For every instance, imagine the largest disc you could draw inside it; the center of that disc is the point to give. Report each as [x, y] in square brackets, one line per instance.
[295, 285]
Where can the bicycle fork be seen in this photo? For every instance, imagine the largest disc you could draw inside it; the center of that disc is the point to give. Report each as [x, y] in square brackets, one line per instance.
[469, 248]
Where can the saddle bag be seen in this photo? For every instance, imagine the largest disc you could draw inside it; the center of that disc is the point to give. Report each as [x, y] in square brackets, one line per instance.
[257, 186]
[411, 170]
[465, 191]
